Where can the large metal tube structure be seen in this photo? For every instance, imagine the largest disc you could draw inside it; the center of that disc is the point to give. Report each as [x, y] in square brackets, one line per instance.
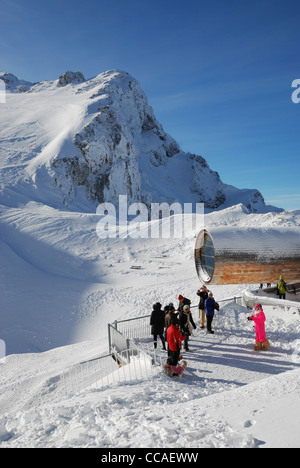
[229, 255]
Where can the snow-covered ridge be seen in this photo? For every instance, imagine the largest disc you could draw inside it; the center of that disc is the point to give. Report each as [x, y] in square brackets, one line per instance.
[13, 84]
[60, 284]
[74, 143]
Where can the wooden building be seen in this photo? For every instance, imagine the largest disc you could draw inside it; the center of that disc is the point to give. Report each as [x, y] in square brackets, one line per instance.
[231, 255]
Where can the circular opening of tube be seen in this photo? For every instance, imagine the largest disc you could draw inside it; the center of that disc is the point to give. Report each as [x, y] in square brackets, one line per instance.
[205, 258]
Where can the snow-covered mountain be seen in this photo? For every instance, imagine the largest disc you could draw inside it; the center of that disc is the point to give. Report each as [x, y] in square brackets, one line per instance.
[65, 146]
[73, 143]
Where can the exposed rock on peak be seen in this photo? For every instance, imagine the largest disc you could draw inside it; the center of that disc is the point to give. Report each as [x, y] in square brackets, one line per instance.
[80, 145]
[70, 77]
[13, 84]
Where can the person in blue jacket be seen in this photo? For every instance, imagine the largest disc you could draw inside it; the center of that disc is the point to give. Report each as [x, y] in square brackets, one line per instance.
[210, 306]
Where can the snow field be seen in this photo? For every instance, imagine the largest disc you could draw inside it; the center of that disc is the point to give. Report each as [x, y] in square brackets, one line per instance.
[230, 396]
[61, 285]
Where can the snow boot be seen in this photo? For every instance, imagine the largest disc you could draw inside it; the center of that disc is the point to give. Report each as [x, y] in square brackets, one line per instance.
[258, 346]
[183, 367]
[266, 345]
[168, 370]
[175, 371]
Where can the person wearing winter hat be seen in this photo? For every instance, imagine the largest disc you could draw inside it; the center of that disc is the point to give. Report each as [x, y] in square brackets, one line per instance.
[282, 288]
[182, 302]
[259, 319]
[203, 294]
[157, 323]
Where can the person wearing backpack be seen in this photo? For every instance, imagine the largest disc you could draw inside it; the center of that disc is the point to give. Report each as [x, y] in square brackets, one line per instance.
[282, 288]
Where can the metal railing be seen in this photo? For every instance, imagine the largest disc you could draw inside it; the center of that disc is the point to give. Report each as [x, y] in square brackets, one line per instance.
[138, 327]
[252, 297]
[125, 366]
[90, 373]
[121, 332]
[126, 360]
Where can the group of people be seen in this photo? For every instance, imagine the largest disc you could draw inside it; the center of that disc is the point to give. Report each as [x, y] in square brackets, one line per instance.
[208, 306]
[162, 319]
[175, 326]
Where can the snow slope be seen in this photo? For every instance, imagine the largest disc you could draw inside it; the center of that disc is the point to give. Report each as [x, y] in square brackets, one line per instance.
[61, 285]
[66, 146]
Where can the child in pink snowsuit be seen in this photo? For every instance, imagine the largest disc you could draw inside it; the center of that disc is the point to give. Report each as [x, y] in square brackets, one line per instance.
[259, 319]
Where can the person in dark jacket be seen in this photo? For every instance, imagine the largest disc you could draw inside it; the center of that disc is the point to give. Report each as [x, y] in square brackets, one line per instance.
[203, 294]
[157, 323]
[182, 302]
[186, 322]
[210, 306]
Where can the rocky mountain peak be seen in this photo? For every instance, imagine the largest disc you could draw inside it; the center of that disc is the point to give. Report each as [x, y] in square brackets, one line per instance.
[88, 143]
[70, 77]
[13, 83]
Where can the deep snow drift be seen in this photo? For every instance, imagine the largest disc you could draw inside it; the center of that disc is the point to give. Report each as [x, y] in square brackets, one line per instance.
[61, 285]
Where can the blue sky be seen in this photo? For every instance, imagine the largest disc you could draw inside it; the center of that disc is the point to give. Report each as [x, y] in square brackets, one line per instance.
[217, 73]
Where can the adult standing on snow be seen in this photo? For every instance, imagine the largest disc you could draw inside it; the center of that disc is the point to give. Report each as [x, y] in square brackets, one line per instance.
[186, 322]
[203, 294]
[157, 323]
[282, 288]
[210, 307]
[259, 320]
[170, 312]
[174, 338]
[182, 302]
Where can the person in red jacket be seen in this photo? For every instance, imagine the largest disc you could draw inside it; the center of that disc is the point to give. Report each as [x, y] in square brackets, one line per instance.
[174, 338]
